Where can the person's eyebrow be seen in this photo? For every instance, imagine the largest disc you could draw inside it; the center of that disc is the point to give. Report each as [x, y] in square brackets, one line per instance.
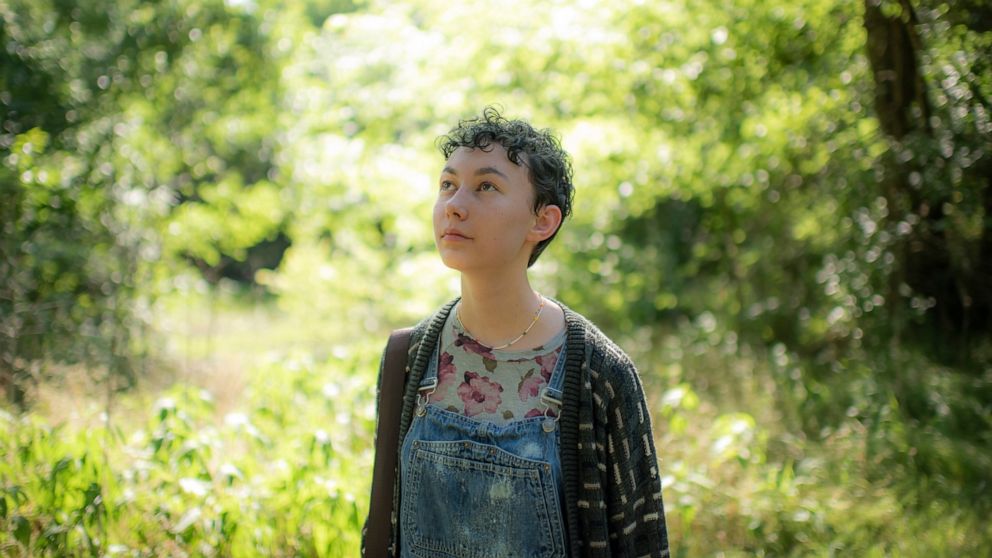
[480, 172]
[490, 170]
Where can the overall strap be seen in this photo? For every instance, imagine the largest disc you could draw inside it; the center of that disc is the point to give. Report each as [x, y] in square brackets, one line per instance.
[387, 437]
[553, 394]
[428, 384]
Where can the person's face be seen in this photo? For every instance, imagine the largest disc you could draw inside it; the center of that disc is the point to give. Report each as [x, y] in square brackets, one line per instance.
[483, 216]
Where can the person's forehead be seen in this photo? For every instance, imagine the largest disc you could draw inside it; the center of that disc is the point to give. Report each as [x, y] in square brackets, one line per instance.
[490, 155]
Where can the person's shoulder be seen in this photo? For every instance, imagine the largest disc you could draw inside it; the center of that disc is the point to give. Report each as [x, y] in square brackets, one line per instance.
[431, 324]
[610, 368]
[613, 380]
[599, 346]
[423, 330]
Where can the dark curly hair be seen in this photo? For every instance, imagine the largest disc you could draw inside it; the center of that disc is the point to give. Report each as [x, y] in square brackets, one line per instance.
[549, 167]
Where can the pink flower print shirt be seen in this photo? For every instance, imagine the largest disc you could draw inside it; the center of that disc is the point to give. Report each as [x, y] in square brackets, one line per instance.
[479, 394]
[480, 377]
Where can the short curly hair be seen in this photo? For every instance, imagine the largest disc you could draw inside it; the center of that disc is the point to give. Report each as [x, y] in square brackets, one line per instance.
[549, 166]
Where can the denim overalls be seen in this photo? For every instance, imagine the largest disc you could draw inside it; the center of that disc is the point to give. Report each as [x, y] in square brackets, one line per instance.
[474, 489]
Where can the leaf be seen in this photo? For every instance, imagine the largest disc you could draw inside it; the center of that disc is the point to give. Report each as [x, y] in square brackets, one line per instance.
[22, 530]
[60, 466]
[187, 520]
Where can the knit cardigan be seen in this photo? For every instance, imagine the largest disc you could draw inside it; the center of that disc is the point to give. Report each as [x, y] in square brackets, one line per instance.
[613, 504]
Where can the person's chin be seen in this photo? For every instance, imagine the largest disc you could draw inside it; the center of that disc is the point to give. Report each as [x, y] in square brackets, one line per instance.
[458, 262]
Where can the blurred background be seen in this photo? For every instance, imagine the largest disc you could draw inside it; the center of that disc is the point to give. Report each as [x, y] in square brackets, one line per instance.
[213, 212]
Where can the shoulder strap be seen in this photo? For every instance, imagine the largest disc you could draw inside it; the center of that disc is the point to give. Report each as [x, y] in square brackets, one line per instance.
[387, 438]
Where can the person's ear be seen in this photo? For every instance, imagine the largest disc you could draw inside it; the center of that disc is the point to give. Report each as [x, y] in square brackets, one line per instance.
[546, 222]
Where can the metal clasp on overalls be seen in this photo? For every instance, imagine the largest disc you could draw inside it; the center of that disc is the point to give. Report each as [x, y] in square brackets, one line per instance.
[550, 422]
[424, 396]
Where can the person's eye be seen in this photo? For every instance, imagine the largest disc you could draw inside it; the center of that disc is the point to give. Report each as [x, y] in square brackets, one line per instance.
[488, 187]
[446, 185]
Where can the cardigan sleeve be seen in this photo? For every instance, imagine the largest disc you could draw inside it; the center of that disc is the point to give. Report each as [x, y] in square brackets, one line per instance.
[633, 497]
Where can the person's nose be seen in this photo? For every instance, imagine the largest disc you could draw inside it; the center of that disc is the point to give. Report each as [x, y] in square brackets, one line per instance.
[457, 206]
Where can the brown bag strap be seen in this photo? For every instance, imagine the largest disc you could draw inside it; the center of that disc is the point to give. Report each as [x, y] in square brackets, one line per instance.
[387, 438]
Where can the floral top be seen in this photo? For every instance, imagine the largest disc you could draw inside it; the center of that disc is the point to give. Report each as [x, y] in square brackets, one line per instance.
[495, 386]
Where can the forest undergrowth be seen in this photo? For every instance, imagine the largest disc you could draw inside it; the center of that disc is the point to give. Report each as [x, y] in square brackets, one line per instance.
[259, 447]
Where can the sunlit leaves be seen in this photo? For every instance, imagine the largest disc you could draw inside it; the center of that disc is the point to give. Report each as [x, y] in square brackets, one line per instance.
[732, 180]
[230, 219]
[185, 480]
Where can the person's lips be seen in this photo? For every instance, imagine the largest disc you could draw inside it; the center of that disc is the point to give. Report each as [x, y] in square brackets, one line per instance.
[454, 234]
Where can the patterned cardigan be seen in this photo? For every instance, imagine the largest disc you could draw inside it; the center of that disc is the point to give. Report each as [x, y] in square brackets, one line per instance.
[613, 504]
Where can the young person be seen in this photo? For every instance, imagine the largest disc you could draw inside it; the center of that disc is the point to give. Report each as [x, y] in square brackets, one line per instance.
[524, 430]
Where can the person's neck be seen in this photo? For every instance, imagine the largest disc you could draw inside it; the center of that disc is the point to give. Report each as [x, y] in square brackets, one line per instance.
[496, 308]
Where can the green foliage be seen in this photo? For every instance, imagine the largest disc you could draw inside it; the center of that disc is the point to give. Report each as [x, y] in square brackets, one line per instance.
[285, 471]
[285, 476]
[792, 242]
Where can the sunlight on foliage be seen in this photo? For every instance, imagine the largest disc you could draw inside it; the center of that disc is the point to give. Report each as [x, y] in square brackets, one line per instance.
[213, 212]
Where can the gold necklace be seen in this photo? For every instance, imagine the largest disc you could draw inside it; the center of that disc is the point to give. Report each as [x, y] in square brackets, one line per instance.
[537, 315]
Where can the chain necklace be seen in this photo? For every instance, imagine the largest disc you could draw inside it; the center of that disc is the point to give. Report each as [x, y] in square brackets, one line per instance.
[537, 315]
